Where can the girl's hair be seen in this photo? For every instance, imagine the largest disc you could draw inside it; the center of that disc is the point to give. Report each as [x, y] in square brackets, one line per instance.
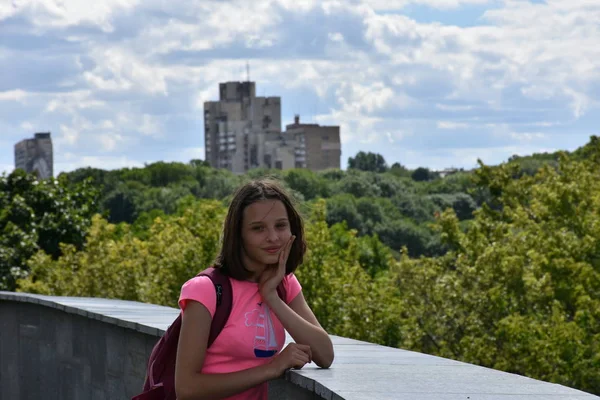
[230, 256]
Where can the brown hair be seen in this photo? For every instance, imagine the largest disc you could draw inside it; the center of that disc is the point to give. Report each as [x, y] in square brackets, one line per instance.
[230, 256]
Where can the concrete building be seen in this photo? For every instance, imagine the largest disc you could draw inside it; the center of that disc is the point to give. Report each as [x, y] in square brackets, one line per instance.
[317, 147]
[35, 155]
[280, 152]
[237, 126]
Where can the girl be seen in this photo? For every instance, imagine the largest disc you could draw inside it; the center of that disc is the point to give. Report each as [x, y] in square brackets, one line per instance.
[263, 243]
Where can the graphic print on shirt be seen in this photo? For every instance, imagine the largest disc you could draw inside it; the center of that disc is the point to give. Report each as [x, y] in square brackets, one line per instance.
[265, 342]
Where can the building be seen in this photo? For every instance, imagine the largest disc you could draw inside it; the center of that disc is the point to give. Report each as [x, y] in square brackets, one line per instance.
[237, 127]
[242, 131]
[35, 155]
[317, 147]
[281, 153]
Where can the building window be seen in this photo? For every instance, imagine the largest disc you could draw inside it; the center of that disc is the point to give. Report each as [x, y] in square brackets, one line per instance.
[278, 165]
[267, 160]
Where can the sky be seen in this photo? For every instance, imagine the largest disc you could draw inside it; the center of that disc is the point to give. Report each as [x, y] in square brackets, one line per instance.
[433, 83]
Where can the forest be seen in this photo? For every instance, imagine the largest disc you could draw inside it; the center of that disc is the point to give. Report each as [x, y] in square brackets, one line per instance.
[497, 266]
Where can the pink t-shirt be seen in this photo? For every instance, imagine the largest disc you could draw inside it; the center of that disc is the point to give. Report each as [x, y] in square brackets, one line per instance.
[252, 334]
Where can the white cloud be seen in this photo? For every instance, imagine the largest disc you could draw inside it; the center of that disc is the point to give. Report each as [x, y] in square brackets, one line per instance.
[27, 126]
[70, 161]
[109, 141]
[388, 80]
[452, 125]
[69, 136]
[118, 69]
[187, 154]
[448, 107]
[71, 103]
[390, 5]
[527, 136]
[64, 13]
[150, 126]
[336, 37]
[17, 95]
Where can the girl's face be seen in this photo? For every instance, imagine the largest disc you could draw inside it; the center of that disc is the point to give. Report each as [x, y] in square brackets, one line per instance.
[265, 229]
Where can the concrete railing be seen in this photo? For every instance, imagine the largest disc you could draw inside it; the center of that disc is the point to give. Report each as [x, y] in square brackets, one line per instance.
[84, 348]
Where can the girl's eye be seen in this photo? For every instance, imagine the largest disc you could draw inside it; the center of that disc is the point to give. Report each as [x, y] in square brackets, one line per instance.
[281, 226]
[257, 228]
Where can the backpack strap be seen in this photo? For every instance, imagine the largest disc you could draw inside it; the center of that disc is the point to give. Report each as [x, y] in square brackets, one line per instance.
[224, 301]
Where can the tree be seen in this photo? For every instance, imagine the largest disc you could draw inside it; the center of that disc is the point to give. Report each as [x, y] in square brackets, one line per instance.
[418, 208]
[39, 215]
[520, 289]
[373, 162]
[115, 263]
[389, 185]
[306, 182]
[400, 170]
[343, 296]
[421, 174]
[462, 204]
[370, 214]
[358, 185]
[342, 208]
[404, 233]
[199, 163]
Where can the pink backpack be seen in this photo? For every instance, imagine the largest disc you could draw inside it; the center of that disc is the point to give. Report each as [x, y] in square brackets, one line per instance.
[160, 374]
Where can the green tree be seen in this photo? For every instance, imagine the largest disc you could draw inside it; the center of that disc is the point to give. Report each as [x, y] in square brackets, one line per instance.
[400, 170]
[357, 184]
[520, 289]
[418, 208]
[306, 182]
[116, 263]
[462, 204]
[342, 208]
[421, 174]
[368, 162]
[344, 297]
[39, 215]
[404, 233]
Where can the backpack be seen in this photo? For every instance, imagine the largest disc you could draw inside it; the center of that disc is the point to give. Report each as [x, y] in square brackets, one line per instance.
[159, 383]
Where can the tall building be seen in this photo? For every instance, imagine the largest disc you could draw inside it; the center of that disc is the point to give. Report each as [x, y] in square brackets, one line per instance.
[35, 155]
[317, 147]
[237, 127]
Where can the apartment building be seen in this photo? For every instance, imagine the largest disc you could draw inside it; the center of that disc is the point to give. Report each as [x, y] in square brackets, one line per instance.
[317, 147]
[36, 155]
[237, 126]
[243, 131]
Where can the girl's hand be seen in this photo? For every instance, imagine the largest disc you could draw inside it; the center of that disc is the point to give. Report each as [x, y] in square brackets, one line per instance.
[273, 274]
[293, 356]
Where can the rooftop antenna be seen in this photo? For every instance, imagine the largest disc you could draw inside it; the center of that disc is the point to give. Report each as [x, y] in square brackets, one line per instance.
[247, 71]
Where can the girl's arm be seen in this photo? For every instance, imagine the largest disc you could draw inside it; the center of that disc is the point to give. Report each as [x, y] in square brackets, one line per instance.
[191, 384]
[297, 318]
[301, 323]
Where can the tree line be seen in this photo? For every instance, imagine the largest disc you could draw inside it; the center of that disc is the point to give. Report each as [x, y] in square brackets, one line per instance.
[510, 280]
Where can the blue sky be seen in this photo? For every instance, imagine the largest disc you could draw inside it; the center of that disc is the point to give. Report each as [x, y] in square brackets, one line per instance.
[435, 83]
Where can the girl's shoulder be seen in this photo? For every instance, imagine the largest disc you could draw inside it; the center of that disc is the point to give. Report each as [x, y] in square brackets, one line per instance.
[200, 289]
[292, 287]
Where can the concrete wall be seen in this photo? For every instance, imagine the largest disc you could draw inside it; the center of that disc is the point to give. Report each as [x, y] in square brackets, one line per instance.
[50, 354]
[80, 348]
